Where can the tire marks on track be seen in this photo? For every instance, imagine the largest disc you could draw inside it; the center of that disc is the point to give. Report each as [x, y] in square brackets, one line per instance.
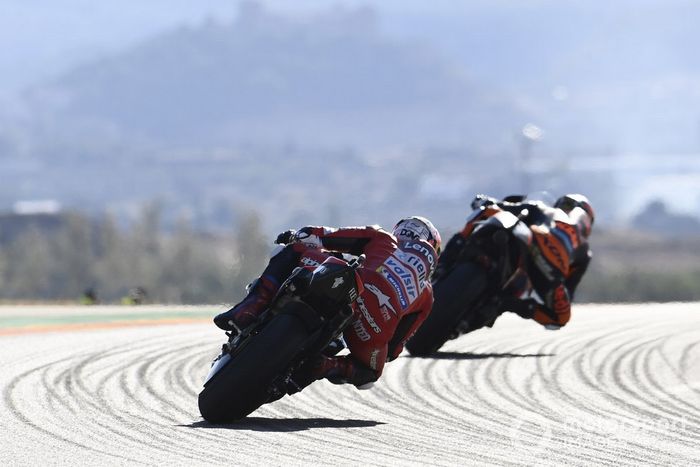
[514, 395]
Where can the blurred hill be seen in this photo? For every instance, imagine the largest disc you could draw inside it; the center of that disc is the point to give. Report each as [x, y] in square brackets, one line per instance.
[333, 79]
[416, 108]
[292, 117]
[592, 73]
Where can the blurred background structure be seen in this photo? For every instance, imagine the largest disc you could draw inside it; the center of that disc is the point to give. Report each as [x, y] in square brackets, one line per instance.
[163, 144]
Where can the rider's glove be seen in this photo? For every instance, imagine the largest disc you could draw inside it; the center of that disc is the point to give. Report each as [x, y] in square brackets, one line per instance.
[482, 200]
[303, 235]
[286, 237]
[306, 236]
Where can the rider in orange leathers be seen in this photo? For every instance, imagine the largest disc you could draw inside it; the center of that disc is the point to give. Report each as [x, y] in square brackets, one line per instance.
[558, 257]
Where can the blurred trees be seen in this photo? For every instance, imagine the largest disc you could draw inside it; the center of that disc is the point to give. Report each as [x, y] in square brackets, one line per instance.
[657, 218]
[183, 266]
[633, 266]
[251, 248]
[62, 260]
[641, 286]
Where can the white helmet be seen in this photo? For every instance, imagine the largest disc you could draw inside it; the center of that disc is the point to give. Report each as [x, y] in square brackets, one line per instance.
[417, 227]
[584, 217]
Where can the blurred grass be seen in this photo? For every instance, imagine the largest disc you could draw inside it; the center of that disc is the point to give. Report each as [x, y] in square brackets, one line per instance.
[629, 266]
[51, 315]
[190, 267]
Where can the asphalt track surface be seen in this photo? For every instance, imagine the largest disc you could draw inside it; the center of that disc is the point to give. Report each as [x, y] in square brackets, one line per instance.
[619, 385]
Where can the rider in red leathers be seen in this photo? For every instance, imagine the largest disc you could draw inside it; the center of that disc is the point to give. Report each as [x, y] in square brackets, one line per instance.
[397, 293]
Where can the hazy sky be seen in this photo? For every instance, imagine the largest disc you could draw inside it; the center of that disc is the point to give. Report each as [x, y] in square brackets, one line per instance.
[41, 38]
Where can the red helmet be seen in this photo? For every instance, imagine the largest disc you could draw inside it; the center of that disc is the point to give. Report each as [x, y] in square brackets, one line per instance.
[584, 218]
[417, 227]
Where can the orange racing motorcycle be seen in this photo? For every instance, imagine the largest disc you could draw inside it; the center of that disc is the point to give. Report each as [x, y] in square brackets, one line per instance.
[472, 287]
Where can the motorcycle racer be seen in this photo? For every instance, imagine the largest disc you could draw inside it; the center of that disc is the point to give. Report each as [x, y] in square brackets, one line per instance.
[397, 293]
[558, 256]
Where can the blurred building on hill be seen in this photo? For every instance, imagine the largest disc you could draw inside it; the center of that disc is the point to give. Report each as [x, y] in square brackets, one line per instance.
[658, 219]
[25, 216]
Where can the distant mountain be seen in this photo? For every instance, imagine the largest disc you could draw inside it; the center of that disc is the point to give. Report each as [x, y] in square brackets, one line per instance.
[293, 115]
[329, 79]
[321, 119]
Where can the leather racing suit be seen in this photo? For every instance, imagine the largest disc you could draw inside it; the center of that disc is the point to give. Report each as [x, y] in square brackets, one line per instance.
[558, 258]
[397, 294]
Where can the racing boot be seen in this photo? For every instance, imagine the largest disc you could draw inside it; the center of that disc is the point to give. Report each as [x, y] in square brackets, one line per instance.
[242, 315]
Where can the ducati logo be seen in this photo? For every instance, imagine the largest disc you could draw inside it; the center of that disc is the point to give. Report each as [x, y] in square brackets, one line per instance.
[337, 282]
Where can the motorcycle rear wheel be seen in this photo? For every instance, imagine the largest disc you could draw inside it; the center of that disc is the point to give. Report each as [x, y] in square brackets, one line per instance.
[453, 296]
[241, 386]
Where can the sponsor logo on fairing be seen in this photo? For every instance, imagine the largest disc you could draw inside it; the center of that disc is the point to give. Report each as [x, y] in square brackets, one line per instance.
[554, 253]
[385, 313]
[306, 261]
[408, 233]
[407, 278]
[338, 281]
[361, 331]
[426, 251]
[368, 316]
[373, 359]
[395, 284]
[415, 262]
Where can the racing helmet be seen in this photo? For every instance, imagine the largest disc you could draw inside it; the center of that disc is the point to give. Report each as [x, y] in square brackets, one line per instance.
[418, 227]
[584, 217]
